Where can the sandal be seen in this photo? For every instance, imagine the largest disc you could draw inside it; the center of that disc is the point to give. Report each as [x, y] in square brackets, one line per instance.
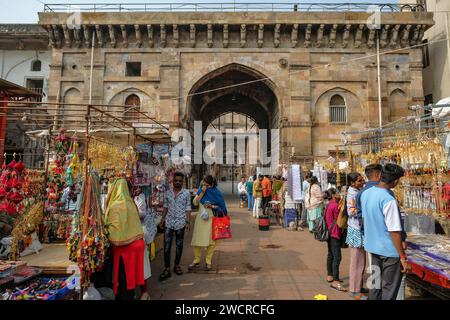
[166, 274]
[208, 267]
[145, 296]
[177, 270]
[193, 265]
[339, 287]
[330, 281]
[358, 296]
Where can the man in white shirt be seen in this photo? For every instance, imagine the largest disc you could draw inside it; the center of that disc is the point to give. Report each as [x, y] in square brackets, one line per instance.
[242, 191]
[305, 186]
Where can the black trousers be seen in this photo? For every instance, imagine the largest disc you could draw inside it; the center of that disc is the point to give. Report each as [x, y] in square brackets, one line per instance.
[386, 278]
[179, 238]
[122, 292]
[265, 202]
[334, 258]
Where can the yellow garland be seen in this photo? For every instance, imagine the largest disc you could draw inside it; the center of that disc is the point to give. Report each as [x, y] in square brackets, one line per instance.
[27, 225]
[75, 162]
[105, 156]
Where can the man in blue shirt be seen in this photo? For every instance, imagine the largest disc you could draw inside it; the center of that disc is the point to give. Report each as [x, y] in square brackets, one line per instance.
[373, 173]
[383, 235]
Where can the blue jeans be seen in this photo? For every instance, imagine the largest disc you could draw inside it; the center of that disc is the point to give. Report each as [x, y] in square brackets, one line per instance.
[168, 236]
[251, 201]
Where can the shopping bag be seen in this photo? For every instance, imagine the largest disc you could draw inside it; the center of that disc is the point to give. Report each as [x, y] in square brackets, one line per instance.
[221, 228]
[343, 216]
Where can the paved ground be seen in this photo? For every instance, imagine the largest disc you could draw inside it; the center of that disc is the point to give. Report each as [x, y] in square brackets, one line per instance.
[275, 264]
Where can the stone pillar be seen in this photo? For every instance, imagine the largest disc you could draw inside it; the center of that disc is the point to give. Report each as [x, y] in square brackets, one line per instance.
[296, 128]
[97, 76]
[169, 88]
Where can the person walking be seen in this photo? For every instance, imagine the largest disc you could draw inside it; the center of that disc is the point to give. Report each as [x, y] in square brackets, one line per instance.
[334, 242]
[176, 217]
[249, 188]
[355, 239]
[313, 202]
[257, 194]
[383, 234]
[126, 237]
[210, 200]
[266, 192]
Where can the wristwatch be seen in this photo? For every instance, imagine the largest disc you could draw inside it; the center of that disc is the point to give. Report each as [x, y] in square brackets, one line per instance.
[188, 222]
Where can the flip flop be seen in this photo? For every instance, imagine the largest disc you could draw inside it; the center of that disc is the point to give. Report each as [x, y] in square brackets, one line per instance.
[339, 287]
[165, 275]
[193, 266]
[177, 270]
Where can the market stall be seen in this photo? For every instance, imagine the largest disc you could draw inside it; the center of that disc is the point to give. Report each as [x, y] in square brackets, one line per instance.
[69, 207]
[420, 144]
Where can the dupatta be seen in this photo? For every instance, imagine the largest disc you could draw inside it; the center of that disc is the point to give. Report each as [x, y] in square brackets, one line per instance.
[121, 215]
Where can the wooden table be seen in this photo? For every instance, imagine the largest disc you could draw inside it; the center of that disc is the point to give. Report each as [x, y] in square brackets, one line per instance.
[53, 259]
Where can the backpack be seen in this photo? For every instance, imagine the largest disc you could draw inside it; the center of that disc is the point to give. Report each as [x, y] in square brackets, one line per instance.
[320, 229]
[343, 215]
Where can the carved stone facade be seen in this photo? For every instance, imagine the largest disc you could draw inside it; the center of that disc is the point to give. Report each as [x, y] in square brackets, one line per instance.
[293, 62]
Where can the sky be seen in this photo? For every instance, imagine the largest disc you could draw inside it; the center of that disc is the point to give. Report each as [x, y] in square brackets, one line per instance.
[25, 11]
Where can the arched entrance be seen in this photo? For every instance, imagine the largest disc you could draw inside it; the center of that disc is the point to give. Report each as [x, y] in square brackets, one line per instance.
[237, 99]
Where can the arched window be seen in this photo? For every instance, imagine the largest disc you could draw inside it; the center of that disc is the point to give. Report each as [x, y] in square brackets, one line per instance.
[132, 108]
[338, 109]
[36, 65]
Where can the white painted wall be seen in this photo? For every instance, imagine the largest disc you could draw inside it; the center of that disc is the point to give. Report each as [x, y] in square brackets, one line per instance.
[15, 66]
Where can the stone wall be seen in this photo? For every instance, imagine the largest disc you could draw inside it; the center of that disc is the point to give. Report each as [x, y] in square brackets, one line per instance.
[305, 58]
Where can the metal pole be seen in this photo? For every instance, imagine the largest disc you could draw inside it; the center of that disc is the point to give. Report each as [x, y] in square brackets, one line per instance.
[380, 117]
[232, 162]
[86, 171]
[92, 67]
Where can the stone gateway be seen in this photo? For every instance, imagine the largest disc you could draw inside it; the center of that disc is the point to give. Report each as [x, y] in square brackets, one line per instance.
[310, 74]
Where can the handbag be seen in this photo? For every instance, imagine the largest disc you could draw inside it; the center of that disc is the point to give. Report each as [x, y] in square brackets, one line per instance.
[221, 227]
[204, 214]
[320, 229]
[343, 216]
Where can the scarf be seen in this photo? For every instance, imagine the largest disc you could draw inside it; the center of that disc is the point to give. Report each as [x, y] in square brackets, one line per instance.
[121, 215]
[215, 197]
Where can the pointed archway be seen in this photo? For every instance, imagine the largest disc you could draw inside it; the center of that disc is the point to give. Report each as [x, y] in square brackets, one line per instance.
[233, 89]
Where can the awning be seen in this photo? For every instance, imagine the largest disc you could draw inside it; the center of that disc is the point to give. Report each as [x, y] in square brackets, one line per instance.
[13, 90]
[441, 112]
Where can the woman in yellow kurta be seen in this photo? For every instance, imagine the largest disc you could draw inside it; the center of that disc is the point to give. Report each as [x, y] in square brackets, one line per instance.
[208, 198]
